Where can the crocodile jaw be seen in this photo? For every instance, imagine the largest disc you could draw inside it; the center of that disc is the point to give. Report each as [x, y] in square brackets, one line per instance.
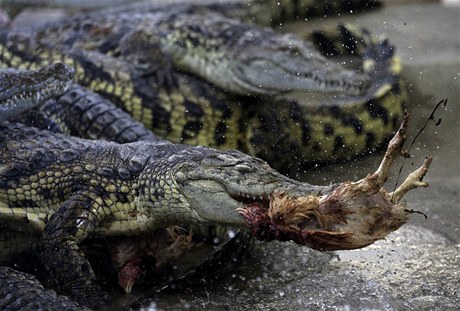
[285, 63]
[215, 205]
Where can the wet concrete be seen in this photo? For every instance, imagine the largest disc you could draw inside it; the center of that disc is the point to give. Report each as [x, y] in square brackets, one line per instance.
[411, 270]
[415, 268]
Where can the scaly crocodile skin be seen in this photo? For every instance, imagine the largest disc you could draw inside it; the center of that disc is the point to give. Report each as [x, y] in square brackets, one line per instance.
[22, 91]
[18, 293]
[378, 112]
[237, 57]
[69, 188]
[84, 113]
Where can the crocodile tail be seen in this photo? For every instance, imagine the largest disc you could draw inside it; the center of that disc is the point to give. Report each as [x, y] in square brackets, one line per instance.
[23, 291]
[347, 39]
[84, 113]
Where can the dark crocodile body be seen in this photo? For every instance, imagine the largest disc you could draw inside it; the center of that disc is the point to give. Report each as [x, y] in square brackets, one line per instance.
[22, 91]
[224, 51]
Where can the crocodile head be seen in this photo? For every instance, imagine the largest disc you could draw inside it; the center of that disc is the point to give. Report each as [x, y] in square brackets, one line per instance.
[234, 189]
[249, 60]
[216, 183]
[22, 90]
[264, 62]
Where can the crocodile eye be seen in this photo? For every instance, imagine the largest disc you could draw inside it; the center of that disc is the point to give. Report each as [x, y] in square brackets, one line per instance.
[124, 173]
[243, 168]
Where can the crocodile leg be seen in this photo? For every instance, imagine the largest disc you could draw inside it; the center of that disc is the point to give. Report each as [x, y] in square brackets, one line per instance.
[60, 253]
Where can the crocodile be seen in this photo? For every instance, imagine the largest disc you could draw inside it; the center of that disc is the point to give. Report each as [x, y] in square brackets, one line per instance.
[44, 178]
[59, 115]
[237, 57]
[71, 113]
[192, 111]
[70, 188]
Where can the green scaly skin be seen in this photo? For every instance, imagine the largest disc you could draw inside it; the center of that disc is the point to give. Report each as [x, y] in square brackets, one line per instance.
[294, 107]
[75, 103]
[83, 113]
[20, 91]
[202, 194]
